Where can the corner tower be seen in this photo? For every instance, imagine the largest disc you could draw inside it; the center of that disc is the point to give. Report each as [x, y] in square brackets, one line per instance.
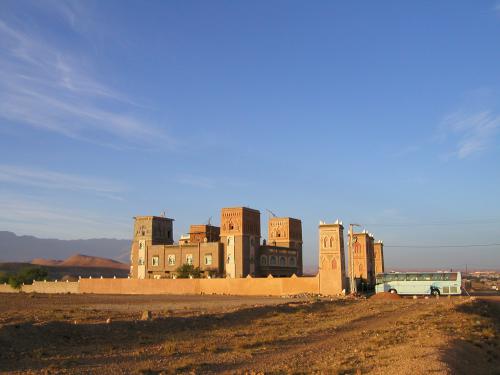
[148, 231]
[240, 234]
[363, 264]
[287, 232]
[379, 256]
[331, 258]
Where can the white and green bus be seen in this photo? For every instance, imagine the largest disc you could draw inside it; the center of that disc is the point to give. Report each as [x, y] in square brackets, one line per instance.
[432, 283]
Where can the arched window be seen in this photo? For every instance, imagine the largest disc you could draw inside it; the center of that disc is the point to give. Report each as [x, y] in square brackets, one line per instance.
[263, 260]
[357, 248]
[282, 262]
[272, 260]
[331, 241]
[292, 261]
[324, 242]
[334, 264]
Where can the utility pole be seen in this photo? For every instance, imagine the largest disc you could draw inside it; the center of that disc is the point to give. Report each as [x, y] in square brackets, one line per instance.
[352, 280]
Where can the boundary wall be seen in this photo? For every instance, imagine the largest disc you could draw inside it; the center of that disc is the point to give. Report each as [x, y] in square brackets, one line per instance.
[53, 287]
[240, 286]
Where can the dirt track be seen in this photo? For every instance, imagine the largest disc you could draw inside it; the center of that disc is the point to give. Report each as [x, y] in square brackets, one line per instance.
[208, 334]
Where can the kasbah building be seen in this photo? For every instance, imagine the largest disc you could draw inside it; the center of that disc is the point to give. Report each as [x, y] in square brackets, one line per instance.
[234, 250]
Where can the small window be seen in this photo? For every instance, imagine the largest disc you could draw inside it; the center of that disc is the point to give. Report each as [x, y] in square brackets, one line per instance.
[263, 260]
[282, 262]
[208, 259]
[171, 260]
[140, 261]
[272, 260]
[169, 234]
[155, 261]
[189, 258]
[292, 261]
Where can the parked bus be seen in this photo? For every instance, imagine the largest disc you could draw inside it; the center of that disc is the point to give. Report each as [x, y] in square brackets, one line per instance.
[432, 283]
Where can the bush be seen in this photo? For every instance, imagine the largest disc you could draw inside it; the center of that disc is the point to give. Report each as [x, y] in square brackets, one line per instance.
[4, 278]
[186, 270]
[27, 276]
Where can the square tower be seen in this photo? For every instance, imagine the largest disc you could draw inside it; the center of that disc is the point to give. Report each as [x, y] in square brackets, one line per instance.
[287, 232]
[148, 231]
[379, 256]
[240, 234]
[203, 233]
[363, 256]
[331, 258]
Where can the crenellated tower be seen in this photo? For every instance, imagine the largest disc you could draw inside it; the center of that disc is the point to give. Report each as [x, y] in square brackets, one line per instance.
[148, 231]
[240, 234]
[287, 232]
[332, 278]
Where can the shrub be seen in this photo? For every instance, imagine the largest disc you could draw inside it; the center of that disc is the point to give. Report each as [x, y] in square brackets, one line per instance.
[186, 270]
[26, 276]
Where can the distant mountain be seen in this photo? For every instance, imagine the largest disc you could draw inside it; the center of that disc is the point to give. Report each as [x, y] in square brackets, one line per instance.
[15, 248]
[71, 273]
[79, 260]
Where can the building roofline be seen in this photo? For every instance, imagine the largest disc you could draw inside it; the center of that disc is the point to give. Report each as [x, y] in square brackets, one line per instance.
[153, 217]
[242, 208]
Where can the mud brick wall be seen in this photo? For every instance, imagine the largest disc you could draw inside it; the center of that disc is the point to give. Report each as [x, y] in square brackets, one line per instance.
[242, 286]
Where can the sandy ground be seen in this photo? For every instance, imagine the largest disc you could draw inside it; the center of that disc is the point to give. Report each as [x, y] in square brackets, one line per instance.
[223, 334]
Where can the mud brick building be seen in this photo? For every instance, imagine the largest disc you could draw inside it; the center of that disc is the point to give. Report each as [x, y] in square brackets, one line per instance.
[233, 250]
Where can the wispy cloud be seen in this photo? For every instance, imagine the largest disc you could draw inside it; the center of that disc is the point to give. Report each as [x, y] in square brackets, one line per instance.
[470, 133]
[24, 214]
[47, 179]
[47, 87]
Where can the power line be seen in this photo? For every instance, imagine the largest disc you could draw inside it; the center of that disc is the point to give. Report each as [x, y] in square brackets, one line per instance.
[434, 246]
[435, 223]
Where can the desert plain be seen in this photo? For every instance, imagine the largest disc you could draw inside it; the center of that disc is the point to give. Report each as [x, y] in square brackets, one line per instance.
[120, 334]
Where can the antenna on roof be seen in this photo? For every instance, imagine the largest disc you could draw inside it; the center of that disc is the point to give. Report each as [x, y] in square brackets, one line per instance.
[163, 214]
[271, 212]
[209, 221]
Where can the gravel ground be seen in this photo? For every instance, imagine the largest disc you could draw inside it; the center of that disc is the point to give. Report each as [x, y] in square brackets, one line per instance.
[225, 334]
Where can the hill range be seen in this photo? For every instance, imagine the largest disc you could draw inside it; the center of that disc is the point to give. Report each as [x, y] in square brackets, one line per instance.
[72, 267]
[14, 248]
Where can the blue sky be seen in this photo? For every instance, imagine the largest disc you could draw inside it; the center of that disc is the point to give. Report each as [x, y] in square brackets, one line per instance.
[382, 113]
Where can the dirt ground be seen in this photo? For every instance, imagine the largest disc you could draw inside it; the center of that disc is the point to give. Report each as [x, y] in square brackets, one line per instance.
[222, 334]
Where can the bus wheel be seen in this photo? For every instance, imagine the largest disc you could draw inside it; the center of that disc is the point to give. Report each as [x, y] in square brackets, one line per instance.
[435, 292]
[393, 291]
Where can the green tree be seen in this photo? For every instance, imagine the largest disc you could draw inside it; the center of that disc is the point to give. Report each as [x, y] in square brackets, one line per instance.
[26, 276]
[186, 270]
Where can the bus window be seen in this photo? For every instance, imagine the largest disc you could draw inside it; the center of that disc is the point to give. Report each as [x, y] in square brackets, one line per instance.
[380, 279]
[437, 277]
[450, 276]
[388, 278]
[400, 277]
[423, 277]
[411, 277]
